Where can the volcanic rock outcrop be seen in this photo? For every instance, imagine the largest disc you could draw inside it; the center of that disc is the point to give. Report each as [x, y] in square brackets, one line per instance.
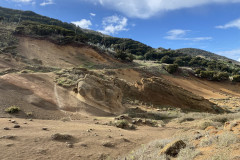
[101, 92]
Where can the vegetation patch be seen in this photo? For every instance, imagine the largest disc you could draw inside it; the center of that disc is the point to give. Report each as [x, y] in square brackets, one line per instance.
[172, 68]
[62, 137]
[124, 124]
[12, 109]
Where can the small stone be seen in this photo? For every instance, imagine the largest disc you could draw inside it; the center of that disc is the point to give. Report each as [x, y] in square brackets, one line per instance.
[8, 137]
[30, 120]
[25, 123]
[16, 126]
[9, 145]
[108, 144]
[44, 128]
[13, 121]
[69, 145]
[125, 140]
[6, 128]
[84, 145]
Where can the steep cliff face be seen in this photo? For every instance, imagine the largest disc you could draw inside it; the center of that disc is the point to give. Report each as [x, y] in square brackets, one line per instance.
[158, 91]
[103, 93]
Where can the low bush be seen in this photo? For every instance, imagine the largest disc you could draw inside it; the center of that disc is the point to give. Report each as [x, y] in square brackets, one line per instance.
[198, 71]
[236, 78]
[12, 109]
[185, 119]
[62, 137]
[172, 68]
[204, 124]
[166, 59]
[221, 76]
[188, 153]
[207, 74]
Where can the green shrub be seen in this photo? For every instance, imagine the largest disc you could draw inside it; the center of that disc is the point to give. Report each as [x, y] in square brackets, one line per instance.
[124, 56]
[198, 71]
[179, 61]
[139, 57]
[207, 74]
[166, 59]
[222, 76]
[29, 114]
[236, 78]
[172, 68]
[12, 109]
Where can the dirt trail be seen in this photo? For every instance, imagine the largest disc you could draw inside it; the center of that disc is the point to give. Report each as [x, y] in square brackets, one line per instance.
[88, 144]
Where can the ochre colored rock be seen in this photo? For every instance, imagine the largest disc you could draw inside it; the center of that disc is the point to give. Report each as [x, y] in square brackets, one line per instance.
[172, 149]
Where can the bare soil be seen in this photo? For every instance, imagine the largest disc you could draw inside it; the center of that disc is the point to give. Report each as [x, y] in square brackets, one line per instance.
[31, 142]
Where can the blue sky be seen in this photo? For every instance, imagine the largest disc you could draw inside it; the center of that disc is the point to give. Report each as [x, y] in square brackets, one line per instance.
[212, 25]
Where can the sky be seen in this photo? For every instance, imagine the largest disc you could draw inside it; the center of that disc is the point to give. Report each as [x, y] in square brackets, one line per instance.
[212, 25]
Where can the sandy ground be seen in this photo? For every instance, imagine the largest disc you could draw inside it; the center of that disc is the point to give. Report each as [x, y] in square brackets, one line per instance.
[31, 142]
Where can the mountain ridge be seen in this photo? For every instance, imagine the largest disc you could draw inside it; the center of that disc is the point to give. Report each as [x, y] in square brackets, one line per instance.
[206, 54]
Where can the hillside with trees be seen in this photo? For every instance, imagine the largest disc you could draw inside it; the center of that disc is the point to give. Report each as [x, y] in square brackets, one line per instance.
[205, 64]
[35, 25]
[206, 54]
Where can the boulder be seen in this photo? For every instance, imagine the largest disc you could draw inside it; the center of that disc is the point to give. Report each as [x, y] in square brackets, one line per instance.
[172, 149]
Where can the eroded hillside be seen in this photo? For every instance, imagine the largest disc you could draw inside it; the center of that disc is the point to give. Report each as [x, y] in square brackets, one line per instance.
[64, 87]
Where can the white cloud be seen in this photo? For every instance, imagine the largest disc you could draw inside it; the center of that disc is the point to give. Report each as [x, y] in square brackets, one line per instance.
[148, 8]
[46, 2]
[176, 34]
[179, 34]
[232, 24]
[114, 24]
[92, 14]
[234, 54]
[84, 23]
[23, 1]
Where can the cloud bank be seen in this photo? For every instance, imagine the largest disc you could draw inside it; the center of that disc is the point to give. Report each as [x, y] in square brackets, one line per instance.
[179, 34]
[234, 54]
[84, 23]
[148, 8]
[46, 2]
[22, 1]
[232, 24]
[114, 24]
